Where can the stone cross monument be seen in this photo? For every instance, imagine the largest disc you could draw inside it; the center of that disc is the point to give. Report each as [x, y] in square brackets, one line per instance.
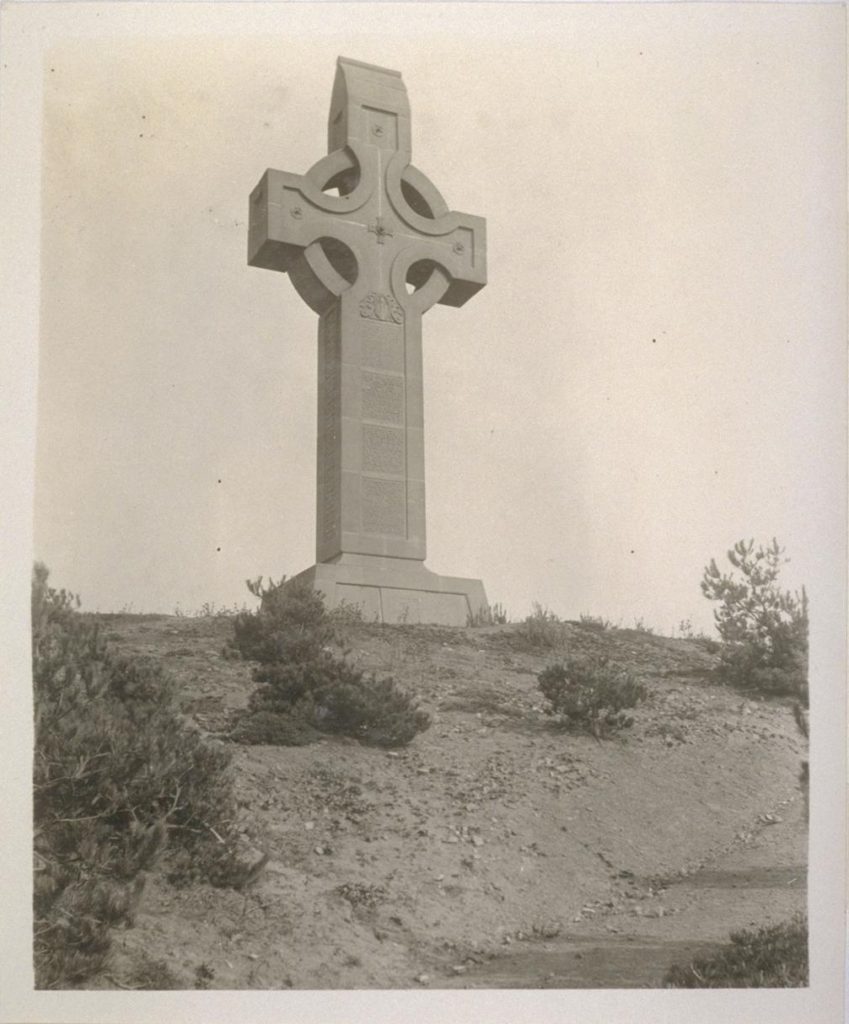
[370, 245]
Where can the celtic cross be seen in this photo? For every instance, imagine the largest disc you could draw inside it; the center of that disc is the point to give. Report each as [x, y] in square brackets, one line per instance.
[370, 245]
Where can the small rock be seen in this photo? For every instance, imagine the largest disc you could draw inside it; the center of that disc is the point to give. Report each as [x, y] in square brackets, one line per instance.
[309, 825]
[422, 979]
[458, 969]
[477, 840]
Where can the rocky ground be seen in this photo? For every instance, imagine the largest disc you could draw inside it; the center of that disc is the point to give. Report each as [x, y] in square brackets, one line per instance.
[495, 850]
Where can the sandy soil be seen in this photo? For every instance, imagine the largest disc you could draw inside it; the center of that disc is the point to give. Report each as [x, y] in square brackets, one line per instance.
[495, 850]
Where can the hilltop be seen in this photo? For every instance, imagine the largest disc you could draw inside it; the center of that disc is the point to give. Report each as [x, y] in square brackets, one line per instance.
[492, 832]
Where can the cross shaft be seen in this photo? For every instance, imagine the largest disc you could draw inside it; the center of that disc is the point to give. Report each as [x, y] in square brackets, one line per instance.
[370, 260]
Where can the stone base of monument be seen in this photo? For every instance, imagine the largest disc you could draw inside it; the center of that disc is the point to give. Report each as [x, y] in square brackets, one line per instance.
[395, 590]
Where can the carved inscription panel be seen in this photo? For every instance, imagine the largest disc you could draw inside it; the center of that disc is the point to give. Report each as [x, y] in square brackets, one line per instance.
[383, 397]
[383, 450]
[384, 506]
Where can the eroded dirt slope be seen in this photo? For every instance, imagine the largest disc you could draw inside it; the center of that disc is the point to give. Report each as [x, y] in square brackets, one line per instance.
[396, 869]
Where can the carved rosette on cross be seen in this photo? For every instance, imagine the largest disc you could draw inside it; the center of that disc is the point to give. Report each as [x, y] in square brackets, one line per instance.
[370, 245]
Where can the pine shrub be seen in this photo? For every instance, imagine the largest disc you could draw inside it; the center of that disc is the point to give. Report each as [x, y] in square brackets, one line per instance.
[291, 624]
[591, 694]
[764, 629]
[305, 686]
[117, 774]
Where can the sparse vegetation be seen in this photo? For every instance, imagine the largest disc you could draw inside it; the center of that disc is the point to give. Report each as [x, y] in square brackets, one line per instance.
[591, 694]
[764, 629]
[488, 615]
[595, 622]
[360, 894]
[210, 610]
[346, 614]
[117, 772]
[153, 975]
[542, 628]
[305, 686]
[773, 957]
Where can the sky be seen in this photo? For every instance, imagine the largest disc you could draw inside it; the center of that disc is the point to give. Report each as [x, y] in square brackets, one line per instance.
[655, 369]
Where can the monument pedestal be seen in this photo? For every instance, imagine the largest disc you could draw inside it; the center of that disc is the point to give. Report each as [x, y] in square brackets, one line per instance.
[395, 590]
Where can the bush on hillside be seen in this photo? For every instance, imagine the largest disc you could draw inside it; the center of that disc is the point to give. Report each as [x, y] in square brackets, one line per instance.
[591, 694]
[291, 624]
[764, 629]
[542, 629]
[116, 773]
[274, 729]
[772, 957]
[305, 686]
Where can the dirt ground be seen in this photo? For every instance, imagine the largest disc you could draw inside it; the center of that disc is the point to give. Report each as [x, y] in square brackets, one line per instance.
[495, 850]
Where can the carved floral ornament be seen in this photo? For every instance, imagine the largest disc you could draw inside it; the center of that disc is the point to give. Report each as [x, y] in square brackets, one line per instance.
[378, 306]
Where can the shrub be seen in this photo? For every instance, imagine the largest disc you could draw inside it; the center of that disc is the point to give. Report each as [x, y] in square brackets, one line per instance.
[273, 728]
[116, 771]
[306, 685]
[290, 624]
[772, 957]
[542, 628]
[591, 694]
[488, 615]
[764, 629]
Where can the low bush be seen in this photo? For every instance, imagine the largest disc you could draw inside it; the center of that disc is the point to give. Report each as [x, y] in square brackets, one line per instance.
[772, 957]
[305, 687]
[542, 629]
[273, 728]
[117, 773]
[591, 694]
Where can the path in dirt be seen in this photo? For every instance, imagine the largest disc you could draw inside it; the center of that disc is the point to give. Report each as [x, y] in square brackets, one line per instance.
[763, 880]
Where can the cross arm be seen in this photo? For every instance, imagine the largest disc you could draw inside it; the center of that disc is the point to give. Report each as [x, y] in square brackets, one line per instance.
[288, 213]
[447, 261]
[298, 229]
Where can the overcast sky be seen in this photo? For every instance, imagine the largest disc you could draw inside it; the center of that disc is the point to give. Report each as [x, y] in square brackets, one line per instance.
[655, 369]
